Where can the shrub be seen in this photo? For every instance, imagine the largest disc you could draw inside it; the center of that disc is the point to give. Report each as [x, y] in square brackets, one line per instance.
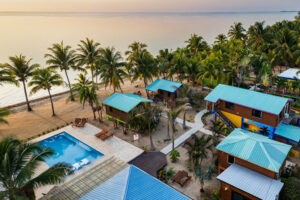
[174, 155]
[170, 173]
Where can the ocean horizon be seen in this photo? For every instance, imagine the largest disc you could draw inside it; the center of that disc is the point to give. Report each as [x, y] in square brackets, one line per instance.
[31, 33]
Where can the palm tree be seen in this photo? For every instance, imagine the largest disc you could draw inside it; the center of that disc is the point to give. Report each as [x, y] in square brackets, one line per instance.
[3, 113]
[172, 115]
[21, 69]
[112, 68]
[196, 44]
[87, 92]
[19, 162]
[164, 61]
[198, 151]
[179, 61]
[5, 76]
[45, 79]
[221, 38]
[191, 69]
[89, 53]
[143, 66]
[257, 35]
[237, 31]
[145, 121]
[134, 48]
[285, 40]
[63, 58]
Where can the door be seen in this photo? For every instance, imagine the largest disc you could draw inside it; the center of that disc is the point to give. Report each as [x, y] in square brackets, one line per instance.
[238, 196]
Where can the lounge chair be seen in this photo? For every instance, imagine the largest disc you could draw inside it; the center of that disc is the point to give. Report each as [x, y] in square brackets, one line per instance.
[104, 131]
[82, 123]
[76, 122]
[106, 135]
[76, 166]
[84, 161]
[181, 177]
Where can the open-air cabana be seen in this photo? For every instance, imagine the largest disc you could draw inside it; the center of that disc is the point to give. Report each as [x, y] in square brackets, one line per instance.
[119, 105]
[165, 89]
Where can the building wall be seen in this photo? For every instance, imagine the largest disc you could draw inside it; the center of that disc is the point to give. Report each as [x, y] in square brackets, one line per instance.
[116, 113]
[226, 191]
[267, 118]
[165, 95]
[223, 164]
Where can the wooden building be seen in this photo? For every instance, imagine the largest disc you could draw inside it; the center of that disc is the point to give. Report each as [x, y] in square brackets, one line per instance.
[119, 105]
[165, 89]
[248, 166]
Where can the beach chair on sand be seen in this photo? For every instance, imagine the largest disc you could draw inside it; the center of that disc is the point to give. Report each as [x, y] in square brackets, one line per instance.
[82, 123]
[76, 122]
[106, 135]
[104, 131]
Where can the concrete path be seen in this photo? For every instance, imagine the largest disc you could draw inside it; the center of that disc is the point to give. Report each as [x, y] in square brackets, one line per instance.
[197, 126]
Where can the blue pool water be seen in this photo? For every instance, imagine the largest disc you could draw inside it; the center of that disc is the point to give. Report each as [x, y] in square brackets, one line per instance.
[68, 149]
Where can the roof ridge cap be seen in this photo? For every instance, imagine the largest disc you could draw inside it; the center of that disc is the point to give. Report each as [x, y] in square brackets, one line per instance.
[127, 182]
[267, 154]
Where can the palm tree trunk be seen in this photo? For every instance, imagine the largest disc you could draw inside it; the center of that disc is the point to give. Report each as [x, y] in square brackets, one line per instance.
[69, 84]
[145, 84]
[152, 148]
[168, 130]
[27, 101]
[184, 125]
[93, 109]
[52, 106]
[172, 128]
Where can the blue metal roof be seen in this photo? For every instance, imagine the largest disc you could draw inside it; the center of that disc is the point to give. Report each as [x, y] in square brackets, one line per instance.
[124, 101]
[134, 184]
[249, 98]
[255, 148]
[290, 73]
[251, 182]
[288, 131]
[162, 84]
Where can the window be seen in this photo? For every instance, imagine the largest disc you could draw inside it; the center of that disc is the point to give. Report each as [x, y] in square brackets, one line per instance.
[110, 109]
[256, 113]
[169, 94]
[229, 105]
[230, 159]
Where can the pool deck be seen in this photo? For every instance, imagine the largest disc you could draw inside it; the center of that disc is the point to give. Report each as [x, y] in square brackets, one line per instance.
[113, 146]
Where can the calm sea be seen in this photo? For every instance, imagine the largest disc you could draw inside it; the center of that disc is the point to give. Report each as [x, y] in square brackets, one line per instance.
[32, 33]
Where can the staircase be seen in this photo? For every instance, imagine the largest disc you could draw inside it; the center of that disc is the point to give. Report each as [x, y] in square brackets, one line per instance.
[225, 120]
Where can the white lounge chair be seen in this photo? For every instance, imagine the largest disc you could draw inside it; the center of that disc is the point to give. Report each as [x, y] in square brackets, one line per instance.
[84, 161]
[76, 166]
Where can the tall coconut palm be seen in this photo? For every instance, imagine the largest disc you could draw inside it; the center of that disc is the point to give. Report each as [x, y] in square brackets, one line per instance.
[164, 61]
[285, 41]
[134, 48]
[21, 70]
[87, 92]
[45, 79]
[143, 66]
[63, 58]
[146, 121]
[5, 75]
[221, 38]
[19, 162]
[89, 53]
[172, 115]
[237, 31]
[112, 68]
[196, 44]
[3, 113]
[257, 35]
[179, 61]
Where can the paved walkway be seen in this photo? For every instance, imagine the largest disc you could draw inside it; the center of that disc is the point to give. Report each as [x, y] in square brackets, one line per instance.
[196, 126]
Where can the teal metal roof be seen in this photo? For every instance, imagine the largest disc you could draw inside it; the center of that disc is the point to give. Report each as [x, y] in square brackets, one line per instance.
[162, 84]
[288, 131]
[249, 98]
[249, 181]
[255, 148]
[124, 101]
[134, 184]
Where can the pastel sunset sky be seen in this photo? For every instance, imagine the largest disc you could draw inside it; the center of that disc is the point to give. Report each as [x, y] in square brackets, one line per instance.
[148, 5]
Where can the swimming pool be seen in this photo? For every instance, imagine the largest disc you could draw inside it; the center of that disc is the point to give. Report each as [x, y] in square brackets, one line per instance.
[69, 150]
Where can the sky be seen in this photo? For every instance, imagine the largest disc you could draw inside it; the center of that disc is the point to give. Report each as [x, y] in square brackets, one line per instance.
[148, 5]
